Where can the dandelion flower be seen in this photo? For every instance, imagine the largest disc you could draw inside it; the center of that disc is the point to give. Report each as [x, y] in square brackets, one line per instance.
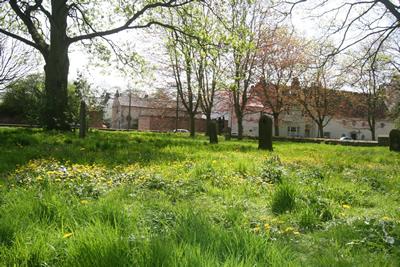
[296, 232]
[346, 206]
[385, 218]
[84, 201]
[67, 235]
[267, 227]
[289, 229]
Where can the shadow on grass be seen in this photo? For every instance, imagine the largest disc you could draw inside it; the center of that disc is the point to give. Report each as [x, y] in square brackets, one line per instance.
[18, 146]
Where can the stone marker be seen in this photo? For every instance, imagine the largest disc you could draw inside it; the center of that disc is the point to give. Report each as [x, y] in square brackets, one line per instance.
[394, 140]
[82, 120]
[265, 133]
[213, 132]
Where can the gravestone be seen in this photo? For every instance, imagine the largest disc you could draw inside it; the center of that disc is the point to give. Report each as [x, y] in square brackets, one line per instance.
[228, 133]
[213, 132]
[82, 120]
[265, 133]
[394, 140]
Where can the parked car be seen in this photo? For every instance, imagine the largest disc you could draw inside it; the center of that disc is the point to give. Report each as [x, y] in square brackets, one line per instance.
[345, 138]
[181, 131]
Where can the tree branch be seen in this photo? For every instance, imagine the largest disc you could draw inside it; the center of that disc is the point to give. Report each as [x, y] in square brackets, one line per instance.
[127, 25]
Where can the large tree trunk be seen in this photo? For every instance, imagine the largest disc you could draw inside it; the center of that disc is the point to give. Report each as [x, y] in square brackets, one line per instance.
[372, 127]
[276, 124]
[55, 115]
[320, 130]
[208, 121]
[192, 125]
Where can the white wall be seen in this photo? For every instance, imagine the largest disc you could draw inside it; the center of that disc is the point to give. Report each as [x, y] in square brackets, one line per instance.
[336, 128]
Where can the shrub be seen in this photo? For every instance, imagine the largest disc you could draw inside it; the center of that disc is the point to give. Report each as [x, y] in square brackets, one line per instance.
[272, 170]
[308, 219]
[284, 199]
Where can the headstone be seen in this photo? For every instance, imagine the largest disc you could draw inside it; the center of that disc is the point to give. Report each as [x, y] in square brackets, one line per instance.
[265, 133]
[213, 132]
[383, 140]
[394, 140]
[82, 120]
[228, 133]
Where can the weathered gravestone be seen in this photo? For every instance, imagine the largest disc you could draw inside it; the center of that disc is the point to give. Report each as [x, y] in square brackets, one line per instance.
[228, 133]
[265, 133]
[213, 132]
[394, 140]
[82, 120]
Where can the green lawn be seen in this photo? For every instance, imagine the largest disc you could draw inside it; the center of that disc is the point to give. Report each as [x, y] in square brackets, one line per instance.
[146, 199]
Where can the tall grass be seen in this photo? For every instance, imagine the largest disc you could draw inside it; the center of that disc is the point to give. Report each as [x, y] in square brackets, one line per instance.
[145, 199]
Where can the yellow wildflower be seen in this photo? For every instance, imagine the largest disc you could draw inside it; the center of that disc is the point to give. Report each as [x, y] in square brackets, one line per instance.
[385, 218]
[289, 229]
[346, 206]
[84, 201]
[67, 235]
[296, 232]
[39, 178]
[267, 227]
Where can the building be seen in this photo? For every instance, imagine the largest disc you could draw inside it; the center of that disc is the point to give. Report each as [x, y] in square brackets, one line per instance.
[348, 121]
[151, 114]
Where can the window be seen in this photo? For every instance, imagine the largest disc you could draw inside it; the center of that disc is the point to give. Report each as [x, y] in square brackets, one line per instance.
[293, 131]
[382, 125]
[327, 135]
[344, 122]
[307, 133]
[363, 124]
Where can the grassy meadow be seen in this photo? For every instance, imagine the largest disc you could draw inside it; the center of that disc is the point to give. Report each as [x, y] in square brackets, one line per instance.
[148, 199]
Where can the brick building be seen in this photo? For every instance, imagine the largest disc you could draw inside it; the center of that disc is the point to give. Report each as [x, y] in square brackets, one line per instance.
[151, 114]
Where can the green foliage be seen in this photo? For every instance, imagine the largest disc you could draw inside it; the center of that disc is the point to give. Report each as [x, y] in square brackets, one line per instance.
[284, 199]
[308, 219]
[272, 170]
[23, 100]
[166, 200]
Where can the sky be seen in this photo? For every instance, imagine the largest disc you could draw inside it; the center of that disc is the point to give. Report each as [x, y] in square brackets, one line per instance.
[149, 45]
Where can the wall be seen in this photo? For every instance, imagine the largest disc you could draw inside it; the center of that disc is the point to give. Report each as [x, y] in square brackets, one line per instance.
[335, 129]
[164, 124]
